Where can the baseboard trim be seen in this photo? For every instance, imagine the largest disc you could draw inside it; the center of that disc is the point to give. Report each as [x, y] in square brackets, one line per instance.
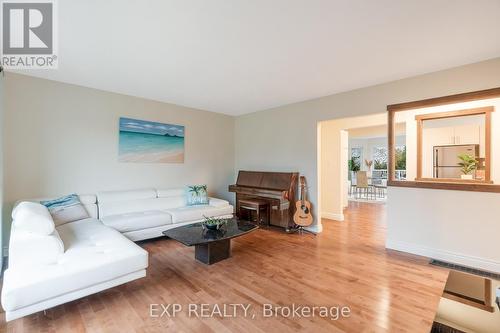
[443, 255]
[332, 216]
[315, 228]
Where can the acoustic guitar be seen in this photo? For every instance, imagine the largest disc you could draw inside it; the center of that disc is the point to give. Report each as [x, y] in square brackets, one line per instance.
[302, 216]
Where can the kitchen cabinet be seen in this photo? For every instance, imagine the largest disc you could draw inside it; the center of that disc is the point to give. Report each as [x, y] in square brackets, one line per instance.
[438, 136]
[456, 135]
[467, 134]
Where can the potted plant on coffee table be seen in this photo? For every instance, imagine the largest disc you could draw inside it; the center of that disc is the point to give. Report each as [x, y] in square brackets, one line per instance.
[213, 223]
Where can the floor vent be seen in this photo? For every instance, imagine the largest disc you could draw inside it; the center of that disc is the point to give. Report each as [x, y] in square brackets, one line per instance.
[442, 328]
[465, 269]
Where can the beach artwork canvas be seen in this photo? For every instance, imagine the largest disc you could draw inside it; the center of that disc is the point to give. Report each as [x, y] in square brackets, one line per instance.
[150, 142]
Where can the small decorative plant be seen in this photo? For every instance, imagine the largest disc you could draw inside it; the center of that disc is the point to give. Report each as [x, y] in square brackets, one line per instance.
[354, 164]
[468, 164]
[213, 223]
[369, 164]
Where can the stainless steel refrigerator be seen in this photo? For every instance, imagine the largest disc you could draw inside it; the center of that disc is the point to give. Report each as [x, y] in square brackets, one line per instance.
[446, 159]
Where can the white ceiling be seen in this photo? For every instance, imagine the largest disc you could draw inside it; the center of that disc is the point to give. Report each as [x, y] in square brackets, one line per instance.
[240, 56]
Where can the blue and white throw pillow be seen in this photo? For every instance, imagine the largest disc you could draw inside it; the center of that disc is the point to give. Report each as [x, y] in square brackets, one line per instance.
[66, 209]
[196, 195]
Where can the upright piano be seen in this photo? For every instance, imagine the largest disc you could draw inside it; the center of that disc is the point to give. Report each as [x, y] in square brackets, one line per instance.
[278, 188]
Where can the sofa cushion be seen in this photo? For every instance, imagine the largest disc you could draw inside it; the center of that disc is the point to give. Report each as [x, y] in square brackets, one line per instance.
[89, 201]
[172, 192]
[27, 249]
[114, 196]
[196, 213]
[33, 217]
[125, 207]
[94, 254]
[114, 203]
[218, 202]
[137, 221]
[172, 198]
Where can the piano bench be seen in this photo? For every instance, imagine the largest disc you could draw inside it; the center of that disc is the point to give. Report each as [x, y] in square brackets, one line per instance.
[255, 205]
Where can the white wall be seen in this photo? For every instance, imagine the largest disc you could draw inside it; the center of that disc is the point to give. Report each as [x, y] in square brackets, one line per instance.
[455, 226]
[63, 138]
[286, 138]
[376, 131]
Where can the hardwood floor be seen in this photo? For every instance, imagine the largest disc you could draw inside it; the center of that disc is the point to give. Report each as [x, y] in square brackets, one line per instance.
[346, 265]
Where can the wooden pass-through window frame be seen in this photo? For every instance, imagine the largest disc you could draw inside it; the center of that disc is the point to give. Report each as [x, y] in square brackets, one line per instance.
[445, 184]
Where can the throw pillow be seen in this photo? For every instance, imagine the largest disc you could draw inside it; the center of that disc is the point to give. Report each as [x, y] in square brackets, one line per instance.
[197, 195]
[66, 209]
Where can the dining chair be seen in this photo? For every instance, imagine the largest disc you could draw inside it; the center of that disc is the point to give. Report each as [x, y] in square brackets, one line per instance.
[362, 184]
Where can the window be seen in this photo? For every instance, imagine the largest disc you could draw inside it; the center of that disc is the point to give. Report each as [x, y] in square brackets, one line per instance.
[355, 159]
[401, 157]
[400, 162]
[380, 158]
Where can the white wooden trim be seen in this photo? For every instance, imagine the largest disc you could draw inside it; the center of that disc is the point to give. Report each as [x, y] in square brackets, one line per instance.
[332, 216]
[443, 255]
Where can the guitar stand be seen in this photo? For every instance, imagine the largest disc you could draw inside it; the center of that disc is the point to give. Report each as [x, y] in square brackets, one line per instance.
[300, 230]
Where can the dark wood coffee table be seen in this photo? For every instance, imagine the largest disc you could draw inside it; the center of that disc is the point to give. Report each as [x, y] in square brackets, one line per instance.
[211, 246]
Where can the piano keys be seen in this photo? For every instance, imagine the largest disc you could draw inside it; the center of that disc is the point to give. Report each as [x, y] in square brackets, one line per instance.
[279, 189]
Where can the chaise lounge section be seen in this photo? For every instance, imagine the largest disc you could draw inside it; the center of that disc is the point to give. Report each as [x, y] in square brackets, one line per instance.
[53, 264]
[62, 263]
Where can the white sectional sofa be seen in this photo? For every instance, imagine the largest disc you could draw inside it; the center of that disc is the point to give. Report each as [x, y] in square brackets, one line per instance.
[51, 265]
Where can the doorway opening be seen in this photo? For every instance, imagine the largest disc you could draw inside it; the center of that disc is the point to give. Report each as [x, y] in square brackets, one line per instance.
[353, 162]
[367, 162]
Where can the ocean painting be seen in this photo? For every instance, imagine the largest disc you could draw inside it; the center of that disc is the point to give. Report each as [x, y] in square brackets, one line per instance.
[150, 142]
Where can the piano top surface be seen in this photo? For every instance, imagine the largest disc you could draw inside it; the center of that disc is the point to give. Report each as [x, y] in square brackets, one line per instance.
[280, 181]
[260, 188]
